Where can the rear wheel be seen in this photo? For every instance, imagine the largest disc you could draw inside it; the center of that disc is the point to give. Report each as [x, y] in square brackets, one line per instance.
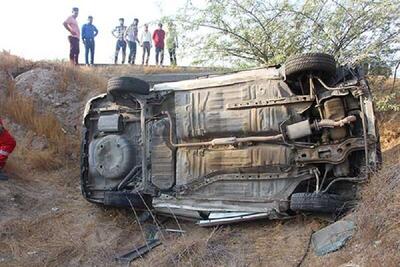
[317, 202]
[316, 63]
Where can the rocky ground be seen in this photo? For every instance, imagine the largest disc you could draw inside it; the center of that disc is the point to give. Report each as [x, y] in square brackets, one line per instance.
[44, 221]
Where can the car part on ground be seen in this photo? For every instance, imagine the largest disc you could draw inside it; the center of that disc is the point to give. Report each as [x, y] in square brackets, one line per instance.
[245, 145]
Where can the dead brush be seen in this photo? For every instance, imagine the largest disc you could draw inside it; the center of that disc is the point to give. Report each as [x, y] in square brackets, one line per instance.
[23, 111]
[198, 249]
[74, 75]
[378, 214]
[9, 62]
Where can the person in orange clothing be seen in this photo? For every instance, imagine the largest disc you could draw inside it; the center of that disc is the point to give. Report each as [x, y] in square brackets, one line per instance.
[7, 145]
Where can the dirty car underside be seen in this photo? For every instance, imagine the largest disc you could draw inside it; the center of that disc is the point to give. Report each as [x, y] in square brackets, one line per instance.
[247, 145]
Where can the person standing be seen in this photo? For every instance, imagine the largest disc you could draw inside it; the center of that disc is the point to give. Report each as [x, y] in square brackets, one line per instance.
[131, 35]
[145, 42]
[72, 26]
[118, 33]
[158, 38]
[172, 43]
[7, 145]
[89, 32]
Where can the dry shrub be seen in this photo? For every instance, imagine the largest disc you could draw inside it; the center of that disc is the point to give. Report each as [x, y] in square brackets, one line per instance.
[44, 160]
[198, 249]
[87, 81]
[23, 111]
[11, 63]
[378, 217]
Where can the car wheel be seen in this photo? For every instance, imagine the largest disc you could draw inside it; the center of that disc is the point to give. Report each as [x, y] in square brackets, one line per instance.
[317, 202]
[316, 63]
[124, 85]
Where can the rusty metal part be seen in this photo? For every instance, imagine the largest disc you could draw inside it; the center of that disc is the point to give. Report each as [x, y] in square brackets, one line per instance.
[334, 110]
[364, 124]
[334, 154]
[271, 102]
[342, 169]
[332, 123]
[304, 128]
[336, 88]
[299, 130]
[220, 141]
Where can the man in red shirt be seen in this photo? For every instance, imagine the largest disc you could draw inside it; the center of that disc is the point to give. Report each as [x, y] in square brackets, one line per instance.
[158, 38]
[7, 145]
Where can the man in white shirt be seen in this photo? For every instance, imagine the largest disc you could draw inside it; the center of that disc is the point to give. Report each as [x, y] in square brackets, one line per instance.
[145, 42]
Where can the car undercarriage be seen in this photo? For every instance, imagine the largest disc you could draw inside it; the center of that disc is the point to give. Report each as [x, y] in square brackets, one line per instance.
[262, 143]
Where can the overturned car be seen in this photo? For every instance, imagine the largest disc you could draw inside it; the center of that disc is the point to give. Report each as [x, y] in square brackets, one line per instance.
[262, 143]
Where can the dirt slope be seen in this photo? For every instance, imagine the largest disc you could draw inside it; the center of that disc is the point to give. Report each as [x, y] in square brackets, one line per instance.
[44, 221]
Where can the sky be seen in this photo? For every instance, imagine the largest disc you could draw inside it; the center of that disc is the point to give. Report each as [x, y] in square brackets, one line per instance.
[34, 30]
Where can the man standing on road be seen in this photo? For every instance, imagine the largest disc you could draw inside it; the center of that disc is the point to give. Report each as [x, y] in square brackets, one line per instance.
[145, 42]
[119, 33]
[172, 43]
[89, 32]
[131, 36]
[158, 38]
[7, 145]
[72, 26]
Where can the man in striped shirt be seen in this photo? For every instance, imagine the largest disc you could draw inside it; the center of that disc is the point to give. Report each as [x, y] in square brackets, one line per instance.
[131, 36]
[7, 145]
[119, 33]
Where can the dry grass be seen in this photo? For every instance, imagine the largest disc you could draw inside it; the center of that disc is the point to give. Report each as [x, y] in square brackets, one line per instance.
[202, 247]
[11, 63]
[88, 82]
[23, 111]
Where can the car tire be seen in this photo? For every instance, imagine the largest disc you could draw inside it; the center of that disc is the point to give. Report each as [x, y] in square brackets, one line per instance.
[317, 202]
[316, 63]
[127, 85]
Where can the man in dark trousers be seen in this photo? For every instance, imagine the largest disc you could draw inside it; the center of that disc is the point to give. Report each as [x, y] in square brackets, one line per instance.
[7, 145]
[131, 35]
[72, 26]
[119, 33]
[89, 32]
[145, 42]
[158, 38]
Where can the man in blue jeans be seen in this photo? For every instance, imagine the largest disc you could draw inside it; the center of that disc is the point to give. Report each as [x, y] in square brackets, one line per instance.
[89, 32]
[119, 33]
[131, 35]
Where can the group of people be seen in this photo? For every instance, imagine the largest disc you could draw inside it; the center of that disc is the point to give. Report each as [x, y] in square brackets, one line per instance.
[127, 36]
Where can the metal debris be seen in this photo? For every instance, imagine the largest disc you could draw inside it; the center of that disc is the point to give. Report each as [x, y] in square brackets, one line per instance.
[332, 237]
[138, 252]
